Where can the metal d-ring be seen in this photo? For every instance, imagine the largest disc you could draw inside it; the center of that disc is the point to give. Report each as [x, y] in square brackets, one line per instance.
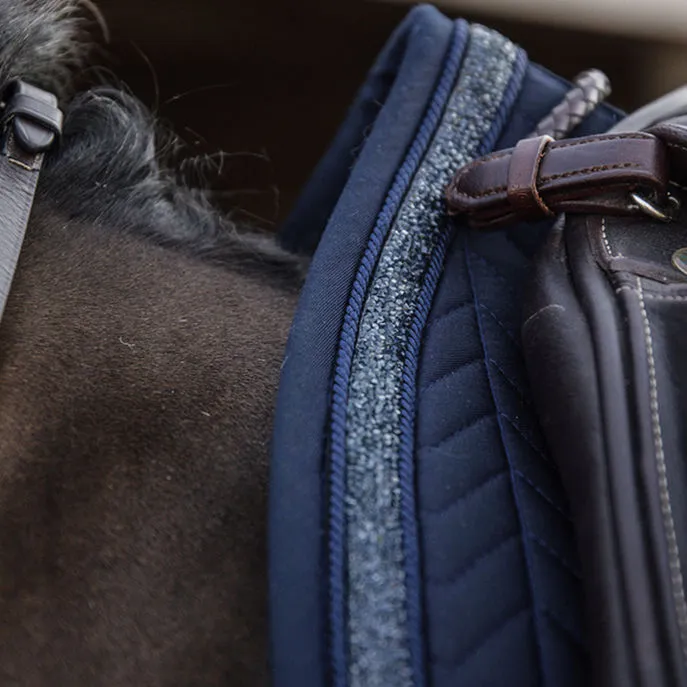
[665, 214]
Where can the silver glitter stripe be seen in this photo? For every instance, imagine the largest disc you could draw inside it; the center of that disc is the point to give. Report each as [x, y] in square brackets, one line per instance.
[379, 654]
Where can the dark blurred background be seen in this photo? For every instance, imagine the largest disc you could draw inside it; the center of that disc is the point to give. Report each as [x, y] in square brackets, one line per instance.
[268, 81]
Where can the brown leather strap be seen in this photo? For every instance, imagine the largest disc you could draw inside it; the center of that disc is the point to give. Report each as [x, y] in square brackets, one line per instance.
[673, 133]
[523, 172]
[539, 177]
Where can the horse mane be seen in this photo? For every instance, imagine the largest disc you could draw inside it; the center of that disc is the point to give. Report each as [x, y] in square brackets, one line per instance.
[113, 165]
[141, 350]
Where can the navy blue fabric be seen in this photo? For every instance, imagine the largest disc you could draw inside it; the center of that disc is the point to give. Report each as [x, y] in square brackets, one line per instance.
[302, 230]
[502, 589]
[348, 336]
[502, 595]
[298, 567]
[514, 620]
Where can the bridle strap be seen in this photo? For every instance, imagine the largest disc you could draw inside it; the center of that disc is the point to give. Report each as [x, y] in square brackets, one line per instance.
[31, 122]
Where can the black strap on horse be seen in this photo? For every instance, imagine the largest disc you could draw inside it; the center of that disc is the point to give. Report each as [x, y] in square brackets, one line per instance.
[31, 122]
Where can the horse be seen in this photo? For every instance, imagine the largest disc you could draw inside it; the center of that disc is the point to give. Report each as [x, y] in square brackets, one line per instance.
[140, 353]
[431, 518]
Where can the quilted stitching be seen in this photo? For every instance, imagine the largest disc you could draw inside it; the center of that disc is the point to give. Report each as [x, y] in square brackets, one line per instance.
[508, 641]
[502, 589]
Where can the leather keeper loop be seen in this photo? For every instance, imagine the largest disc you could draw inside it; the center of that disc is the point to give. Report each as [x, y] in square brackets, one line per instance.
[589, 175]
[523, 176]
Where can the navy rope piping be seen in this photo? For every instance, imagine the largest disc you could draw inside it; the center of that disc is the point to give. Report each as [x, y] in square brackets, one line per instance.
[337, 476]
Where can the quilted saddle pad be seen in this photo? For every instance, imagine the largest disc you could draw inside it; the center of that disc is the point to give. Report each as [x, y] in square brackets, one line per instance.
[419, 534]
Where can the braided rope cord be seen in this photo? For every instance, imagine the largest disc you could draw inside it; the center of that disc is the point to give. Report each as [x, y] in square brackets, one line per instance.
[591, 88]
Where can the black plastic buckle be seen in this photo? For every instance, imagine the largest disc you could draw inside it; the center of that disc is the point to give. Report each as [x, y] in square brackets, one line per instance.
[33, 113]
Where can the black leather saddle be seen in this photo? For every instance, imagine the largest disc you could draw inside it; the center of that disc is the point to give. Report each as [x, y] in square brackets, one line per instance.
[604, 339]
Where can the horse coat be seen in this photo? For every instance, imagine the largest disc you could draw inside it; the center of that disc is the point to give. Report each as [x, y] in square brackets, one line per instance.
[419, 534]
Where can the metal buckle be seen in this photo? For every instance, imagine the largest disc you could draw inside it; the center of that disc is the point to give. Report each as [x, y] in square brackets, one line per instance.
[667, 213]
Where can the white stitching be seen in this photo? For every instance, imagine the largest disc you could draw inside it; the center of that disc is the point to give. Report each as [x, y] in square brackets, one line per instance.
[660, 297]
[676, 577]
[625, 288]
[604, 236]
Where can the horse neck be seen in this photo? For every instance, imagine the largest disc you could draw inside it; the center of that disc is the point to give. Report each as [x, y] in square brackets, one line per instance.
[137, 391]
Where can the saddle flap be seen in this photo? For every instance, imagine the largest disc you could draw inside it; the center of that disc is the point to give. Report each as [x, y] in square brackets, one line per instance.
[604, 322]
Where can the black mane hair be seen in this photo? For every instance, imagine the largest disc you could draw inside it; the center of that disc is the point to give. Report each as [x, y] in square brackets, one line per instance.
[109, 167]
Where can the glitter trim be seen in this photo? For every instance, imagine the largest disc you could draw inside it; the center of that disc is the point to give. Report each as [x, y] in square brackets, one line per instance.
[337, 467]
[371, 394]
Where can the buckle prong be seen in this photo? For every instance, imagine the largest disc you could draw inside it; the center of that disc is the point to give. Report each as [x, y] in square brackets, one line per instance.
[664, 214]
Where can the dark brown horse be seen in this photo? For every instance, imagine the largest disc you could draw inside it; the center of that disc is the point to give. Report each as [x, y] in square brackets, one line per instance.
[139, 358]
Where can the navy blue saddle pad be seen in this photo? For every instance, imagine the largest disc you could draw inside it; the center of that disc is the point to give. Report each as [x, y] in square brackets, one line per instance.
[419, 534]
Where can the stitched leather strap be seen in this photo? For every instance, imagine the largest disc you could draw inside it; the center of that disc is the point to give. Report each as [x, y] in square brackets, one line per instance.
[587, 175]
[30, 125]
[523, 172]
